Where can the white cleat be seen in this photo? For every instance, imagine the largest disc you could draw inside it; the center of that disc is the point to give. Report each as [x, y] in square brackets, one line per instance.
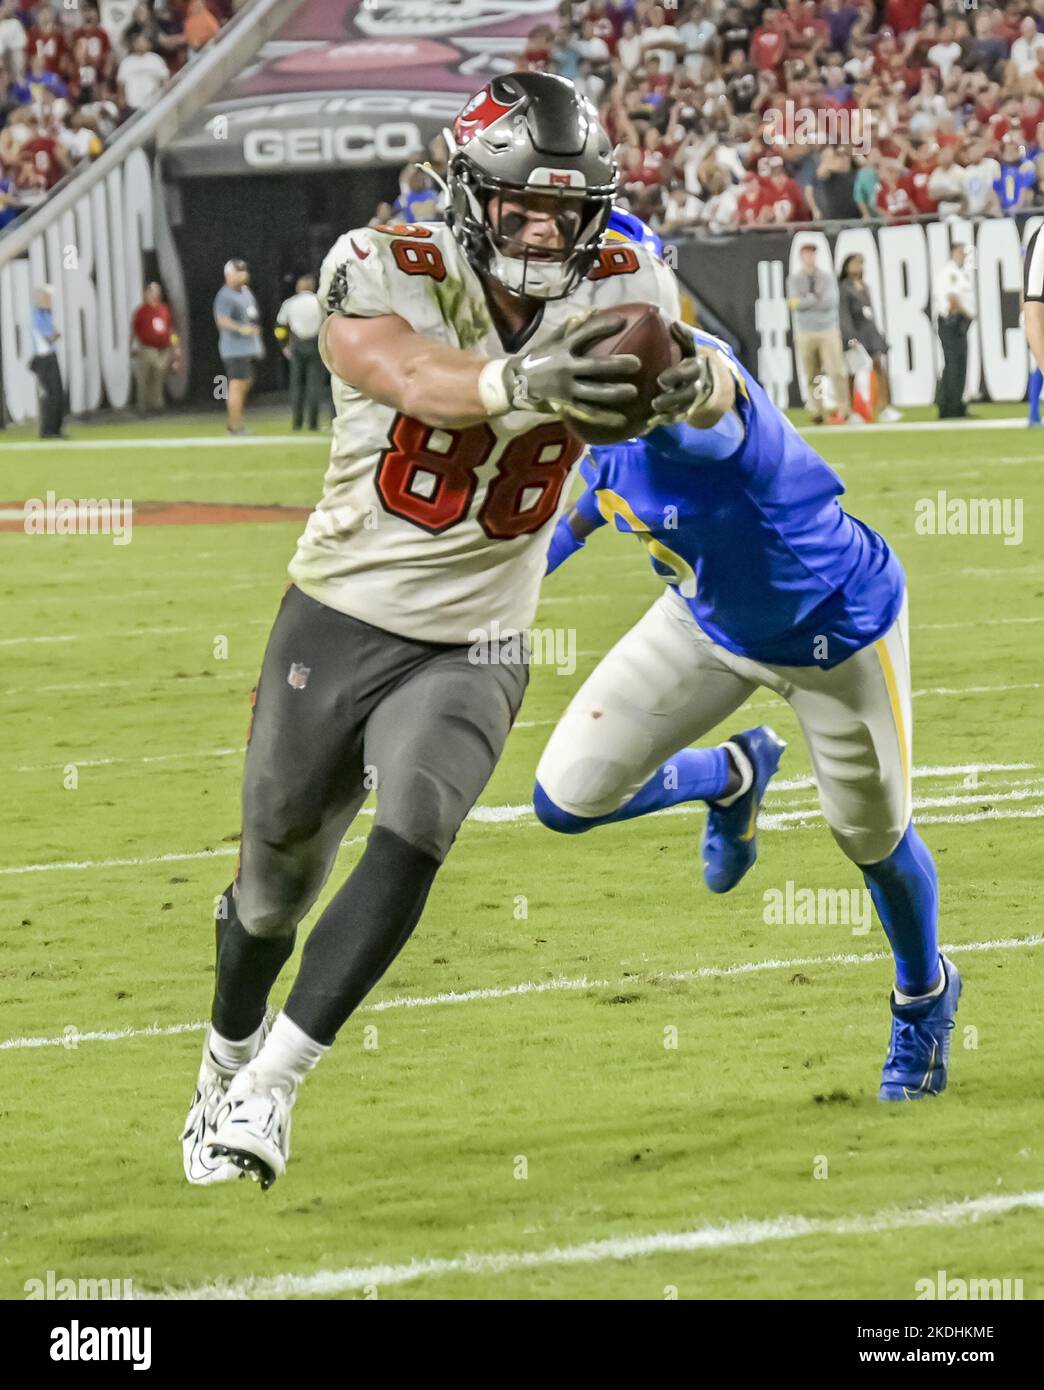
[252, 1128]
[211, 1088]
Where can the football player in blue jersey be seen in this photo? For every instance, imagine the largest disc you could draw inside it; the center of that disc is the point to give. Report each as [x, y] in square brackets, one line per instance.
[770, 582]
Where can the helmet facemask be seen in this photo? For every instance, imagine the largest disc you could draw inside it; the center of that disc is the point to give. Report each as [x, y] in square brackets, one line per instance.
[497, 217]
[528, 144]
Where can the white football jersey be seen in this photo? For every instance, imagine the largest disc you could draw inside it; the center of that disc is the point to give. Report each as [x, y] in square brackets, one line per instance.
[442, 534]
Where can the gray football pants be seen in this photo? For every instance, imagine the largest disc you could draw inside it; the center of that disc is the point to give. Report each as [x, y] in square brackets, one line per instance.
[343, 709]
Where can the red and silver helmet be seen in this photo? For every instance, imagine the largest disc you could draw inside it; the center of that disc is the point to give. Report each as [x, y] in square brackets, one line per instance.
[530, 140]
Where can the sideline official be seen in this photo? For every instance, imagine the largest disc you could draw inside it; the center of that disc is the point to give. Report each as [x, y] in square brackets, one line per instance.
[954, 300]
[297, 327]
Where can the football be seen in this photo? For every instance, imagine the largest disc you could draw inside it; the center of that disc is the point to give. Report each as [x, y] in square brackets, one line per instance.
[646, 332]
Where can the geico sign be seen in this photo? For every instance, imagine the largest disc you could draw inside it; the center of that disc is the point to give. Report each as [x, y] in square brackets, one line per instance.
[343, 144]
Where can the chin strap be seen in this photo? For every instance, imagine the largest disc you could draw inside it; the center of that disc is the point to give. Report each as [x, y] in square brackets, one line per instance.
[433, 174]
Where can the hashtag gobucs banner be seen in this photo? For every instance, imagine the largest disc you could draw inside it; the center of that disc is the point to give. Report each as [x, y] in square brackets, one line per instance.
[742, 279]
[347, 84]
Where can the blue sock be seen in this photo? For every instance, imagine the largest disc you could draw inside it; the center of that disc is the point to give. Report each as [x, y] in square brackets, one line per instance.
[694, 774]
[905, 891]
[1036, 381]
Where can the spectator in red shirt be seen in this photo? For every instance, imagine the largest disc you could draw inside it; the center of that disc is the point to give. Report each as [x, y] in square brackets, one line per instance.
[47, 40]
[903, 15]
[783, 195]
[536, 56]
[91, 54]
[753, 206]
[604, 26]
[153, 347]
[769, 46]
[893, 200]
[807, 35]
[42, 159]
[1031, 112]
[657, 82]
[923, 160]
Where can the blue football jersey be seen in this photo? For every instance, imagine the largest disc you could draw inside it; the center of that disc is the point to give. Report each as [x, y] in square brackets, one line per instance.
[744, 521]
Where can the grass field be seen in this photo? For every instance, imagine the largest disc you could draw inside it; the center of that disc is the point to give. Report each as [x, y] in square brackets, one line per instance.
[522, 1127]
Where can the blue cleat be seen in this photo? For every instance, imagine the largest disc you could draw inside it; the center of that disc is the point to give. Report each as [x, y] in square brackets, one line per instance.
[919, 1051]
[730, 843]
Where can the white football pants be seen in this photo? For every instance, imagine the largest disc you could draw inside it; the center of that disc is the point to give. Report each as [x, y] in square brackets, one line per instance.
[666, 684]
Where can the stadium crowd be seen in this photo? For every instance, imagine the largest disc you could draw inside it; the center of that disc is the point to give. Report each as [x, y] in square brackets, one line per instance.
[68, 79]
[739, 114]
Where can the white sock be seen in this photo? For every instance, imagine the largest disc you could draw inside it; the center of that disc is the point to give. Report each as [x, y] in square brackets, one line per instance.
[745, 770]
[901, 998]
[288, 1055]
[233, 1055]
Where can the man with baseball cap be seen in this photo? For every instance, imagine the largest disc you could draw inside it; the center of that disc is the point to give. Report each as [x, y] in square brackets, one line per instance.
[812, 297]
[239, 338]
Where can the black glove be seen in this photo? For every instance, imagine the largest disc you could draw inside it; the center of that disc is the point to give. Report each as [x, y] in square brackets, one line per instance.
[557, 379]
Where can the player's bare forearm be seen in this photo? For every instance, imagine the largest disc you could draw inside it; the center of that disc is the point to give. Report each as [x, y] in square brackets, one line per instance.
[388, 361]
[1033, 316]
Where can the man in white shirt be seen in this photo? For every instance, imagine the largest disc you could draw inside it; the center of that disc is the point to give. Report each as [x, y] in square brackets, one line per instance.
[946, 183]
[945, 52]
[699, 35]
[141, 76]
[590, 46]
[13, 41]
[662, 39]
[721, 211]
[1027, 52]
[953, 299]
[684, 209]
[981, 172]
[297, 326]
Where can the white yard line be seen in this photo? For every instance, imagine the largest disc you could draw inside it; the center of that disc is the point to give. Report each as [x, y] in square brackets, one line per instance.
[723, 1236]
[70, 1038]
[522, 812]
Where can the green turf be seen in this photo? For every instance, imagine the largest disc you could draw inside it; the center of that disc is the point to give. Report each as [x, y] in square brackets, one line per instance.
[412, 1151]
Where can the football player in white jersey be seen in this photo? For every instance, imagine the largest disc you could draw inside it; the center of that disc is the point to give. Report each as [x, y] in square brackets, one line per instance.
[457, 357]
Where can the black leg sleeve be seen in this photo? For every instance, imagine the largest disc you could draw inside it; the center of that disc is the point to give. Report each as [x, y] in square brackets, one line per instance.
[247, 968]
[362, 930]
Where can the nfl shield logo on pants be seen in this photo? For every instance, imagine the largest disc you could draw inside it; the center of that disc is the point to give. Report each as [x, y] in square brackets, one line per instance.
[298, 677]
